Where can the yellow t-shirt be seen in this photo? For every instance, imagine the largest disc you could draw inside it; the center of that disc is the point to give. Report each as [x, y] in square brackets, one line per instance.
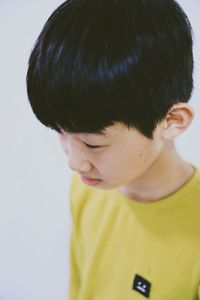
[122, 249]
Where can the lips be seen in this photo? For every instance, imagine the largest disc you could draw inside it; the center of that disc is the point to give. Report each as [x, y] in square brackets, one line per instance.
[90, 181]
[89, 178]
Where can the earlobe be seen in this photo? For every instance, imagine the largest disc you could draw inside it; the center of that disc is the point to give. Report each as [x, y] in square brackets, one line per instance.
[177, 121]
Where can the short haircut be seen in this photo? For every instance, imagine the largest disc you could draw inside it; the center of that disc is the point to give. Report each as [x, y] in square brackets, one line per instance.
[100, 62]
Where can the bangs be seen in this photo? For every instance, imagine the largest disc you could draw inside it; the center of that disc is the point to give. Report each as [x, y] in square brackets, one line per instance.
[82, 94]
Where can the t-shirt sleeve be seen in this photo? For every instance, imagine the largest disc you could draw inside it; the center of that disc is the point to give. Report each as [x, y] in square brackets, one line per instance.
[74, 275]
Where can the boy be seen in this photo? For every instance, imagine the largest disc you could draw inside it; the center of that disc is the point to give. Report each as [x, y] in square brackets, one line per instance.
[114, 78]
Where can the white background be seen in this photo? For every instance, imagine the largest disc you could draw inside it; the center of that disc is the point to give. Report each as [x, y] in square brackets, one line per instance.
[34, 176]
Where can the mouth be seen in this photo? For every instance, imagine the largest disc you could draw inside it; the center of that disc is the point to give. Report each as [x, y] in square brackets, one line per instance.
[90, 181]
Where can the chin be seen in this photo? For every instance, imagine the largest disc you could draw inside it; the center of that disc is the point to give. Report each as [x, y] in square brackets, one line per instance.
[104, 186]
[108, 186]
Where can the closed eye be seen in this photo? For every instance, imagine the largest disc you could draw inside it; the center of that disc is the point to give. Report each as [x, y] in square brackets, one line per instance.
[92, 146]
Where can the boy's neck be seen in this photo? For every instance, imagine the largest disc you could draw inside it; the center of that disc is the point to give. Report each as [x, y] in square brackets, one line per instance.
[167, 174]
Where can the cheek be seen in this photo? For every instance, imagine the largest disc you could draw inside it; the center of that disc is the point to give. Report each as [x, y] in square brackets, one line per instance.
[112, 164]
[127, 163]
[147, 155]
[133, 160]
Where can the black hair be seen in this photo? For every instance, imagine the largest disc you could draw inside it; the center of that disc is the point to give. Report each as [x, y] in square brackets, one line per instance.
[98, 62]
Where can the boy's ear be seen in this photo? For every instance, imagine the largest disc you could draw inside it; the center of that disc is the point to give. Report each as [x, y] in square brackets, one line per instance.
[177, 120]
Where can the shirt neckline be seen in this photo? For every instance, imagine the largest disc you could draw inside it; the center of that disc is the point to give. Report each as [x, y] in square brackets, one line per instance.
[171, 198]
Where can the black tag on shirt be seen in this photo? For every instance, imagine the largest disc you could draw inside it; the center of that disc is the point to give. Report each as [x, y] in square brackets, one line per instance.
[142, 286]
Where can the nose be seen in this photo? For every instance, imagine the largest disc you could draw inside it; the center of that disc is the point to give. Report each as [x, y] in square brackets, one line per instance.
[78, 162]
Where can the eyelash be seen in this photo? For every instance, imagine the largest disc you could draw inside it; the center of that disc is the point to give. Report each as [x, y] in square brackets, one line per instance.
[91, 146]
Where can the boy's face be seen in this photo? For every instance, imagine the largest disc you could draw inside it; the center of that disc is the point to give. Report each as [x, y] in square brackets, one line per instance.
[122, 157]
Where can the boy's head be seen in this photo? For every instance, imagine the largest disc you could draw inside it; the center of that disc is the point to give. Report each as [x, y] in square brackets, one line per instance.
[99, 64]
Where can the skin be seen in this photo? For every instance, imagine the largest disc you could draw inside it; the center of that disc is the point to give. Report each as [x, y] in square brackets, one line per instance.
[139, 168]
